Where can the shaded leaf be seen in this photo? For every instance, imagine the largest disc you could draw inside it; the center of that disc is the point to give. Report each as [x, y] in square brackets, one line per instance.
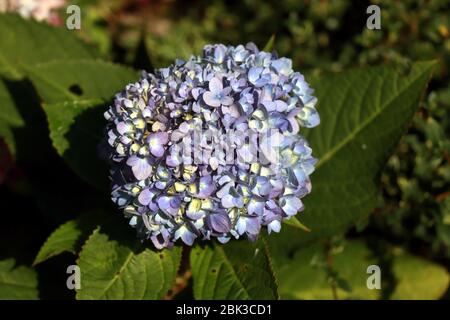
[363, 113]
[416, 278]
[75, 101]
[5, 160]
[299, 279]
[27, 42]
[21, 121]
[67, 238]
[71, 80]
[9, 117]
[76, 129]
[17, 283]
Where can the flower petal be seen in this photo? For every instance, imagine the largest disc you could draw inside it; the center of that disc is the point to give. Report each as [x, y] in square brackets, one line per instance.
[215, 85]
[211, 99]
[220, 222]
[141, 168]
[145, 197]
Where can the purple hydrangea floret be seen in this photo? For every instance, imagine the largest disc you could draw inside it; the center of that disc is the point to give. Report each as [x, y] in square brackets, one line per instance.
[211, 147]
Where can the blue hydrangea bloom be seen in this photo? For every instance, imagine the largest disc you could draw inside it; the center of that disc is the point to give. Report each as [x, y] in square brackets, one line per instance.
[211, 147]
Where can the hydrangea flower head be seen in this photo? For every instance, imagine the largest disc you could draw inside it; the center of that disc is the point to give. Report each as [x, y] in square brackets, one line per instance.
[211, 147]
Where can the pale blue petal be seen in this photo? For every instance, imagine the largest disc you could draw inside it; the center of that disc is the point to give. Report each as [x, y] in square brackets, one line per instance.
[211, 99]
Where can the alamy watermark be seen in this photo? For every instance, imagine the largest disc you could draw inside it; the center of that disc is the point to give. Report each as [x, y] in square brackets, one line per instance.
[374, 20]
[73, 21]
[214, 147]
[74, 280]
[374, 280]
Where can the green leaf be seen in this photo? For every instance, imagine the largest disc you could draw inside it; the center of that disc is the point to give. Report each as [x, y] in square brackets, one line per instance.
[76, 121]
[419, 279]
[27, 42]
[67, 238]
[21, 118]
[17, 283]
[9, 117]
[237, 270]
[363, 113]
[72, 80]
[114, 268]
[294, 222]
[299, 279]
[76, 129]
[416, 278]
[270, 44]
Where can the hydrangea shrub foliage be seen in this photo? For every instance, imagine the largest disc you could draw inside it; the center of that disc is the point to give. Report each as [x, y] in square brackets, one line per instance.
[215, 147]
[211, 147]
